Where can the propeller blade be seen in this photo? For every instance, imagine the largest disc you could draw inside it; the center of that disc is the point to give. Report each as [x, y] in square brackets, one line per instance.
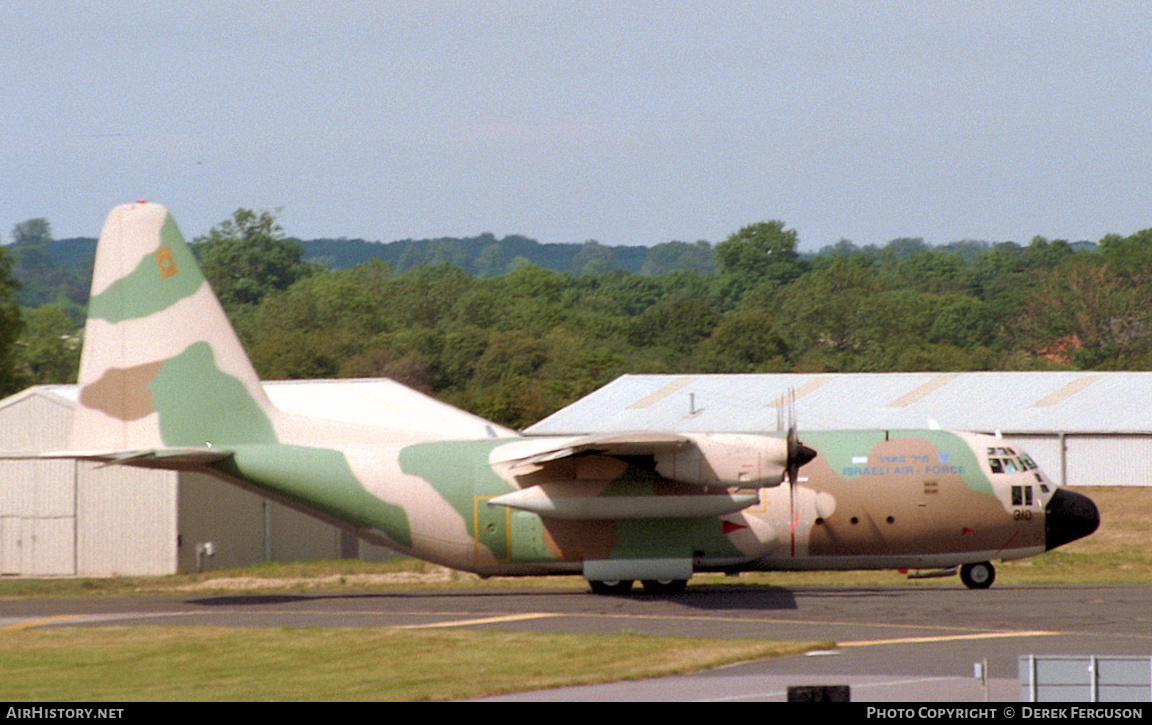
[798, 455]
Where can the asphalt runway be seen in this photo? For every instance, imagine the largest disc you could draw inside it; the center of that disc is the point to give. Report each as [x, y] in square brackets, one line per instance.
[907, 644]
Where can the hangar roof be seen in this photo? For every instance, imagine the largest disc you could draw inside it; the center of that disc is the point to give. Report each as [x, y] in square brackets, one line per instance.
[1009, 402]
[376, 401]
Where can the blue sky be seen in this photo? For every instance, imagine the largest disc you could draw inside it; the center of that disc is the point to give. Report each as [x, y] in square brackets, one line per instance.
[629, 123]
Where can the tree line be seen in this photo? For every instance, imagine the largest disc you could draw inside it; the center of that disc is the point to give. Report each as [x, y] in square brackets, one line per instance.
[517, 345]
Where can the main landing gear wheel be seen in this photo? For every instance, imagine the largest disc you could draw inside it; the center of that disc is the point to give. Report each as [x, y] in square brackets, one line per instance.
[616, 588]
[664, 586]
[978, 576]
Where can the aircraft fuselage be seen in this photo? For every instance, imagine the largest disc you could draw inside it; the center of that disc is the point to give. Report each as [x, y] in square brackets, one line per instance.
[869, 499]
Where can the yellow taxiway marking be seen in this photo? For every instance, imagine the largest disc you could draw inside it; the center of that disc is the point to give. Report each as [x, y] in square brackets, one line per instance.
[41, 622]
[945, 638]
[483, 620]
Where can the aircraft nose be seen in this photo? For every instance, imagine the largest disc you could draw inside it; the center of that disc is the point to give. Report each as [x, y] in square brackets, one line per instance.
[1068, 516]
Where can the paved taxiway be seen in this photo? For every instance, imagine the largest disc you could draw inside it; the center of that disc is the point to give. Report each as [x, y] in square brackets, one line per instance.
[910, 643]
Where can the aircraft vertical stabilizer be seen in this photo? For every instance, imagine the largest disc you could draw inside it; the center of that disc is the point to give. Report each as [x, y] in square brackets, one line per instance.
[161, 365]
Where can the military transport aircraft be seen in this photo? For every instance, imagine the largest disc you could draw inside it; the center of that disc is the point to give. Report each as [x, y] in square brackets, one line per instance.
[165, 383]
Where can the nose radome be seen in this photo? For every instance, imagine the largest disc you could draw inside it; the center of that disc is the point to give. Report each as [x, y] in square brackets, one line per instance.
[1068, 516]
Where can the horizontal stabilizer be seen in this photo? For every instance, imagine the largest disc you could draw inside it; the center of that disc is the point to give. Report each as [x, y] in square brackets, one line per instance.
[173, 459]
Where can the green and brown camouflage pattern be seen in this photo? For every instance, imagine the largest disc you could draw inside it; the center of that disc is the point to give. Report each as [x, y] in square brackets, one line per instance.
[164, 382]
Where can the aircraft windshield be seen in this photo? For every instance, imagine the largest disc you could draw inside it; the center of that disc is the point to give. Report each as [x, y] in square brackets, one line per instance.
[1007, 460]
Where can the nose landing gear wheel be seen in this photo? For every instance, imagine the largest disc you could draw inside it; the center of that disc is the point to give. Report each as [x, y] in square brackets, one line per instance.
[978, 576]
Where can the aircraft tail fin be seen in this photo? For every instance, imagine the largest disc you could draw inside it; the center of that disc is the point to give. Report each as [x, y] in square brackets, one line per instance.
[161, 365]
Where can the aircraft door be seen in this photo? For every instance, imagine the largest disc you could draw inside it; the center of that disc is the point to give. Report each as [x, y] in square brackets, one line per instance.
[502, 534]
[491, 524]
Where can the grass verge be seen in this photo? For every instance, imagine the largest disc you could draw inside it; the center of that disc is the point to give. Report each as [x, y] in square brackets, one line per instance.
[333, 663]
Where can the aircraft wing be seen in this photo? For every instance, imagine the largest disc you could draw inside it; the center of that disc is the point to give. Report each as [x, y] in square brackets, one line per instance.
[701, 459]
[563, 479]
[532, 452]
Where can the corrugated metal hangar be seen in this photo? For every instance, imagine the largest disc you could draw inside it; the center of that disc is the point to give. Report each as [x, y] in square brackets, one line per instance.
[63, 517]
[1082, 428]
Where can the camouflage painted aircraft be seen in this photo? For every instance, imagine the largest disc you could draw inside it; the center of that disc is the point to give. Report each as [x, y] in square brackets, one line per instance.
[165, 383]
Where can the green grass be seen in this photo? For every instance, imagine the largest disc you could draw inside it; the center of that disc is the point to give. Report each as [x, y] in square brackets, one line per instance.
[333, 663]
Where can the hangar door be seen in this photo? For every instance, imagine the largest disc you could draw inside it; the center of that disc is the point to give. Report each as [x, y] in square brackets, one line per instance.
[38, 518]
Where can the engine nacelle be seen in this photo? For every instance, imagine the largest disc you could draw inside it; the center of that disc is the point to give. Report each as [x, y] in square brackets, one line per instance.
[726, 459]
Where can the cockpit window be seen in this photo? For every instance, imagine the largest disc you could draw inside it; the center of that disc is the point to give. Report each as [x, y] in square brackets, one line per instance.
[1004, 460]
[1022, 496]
